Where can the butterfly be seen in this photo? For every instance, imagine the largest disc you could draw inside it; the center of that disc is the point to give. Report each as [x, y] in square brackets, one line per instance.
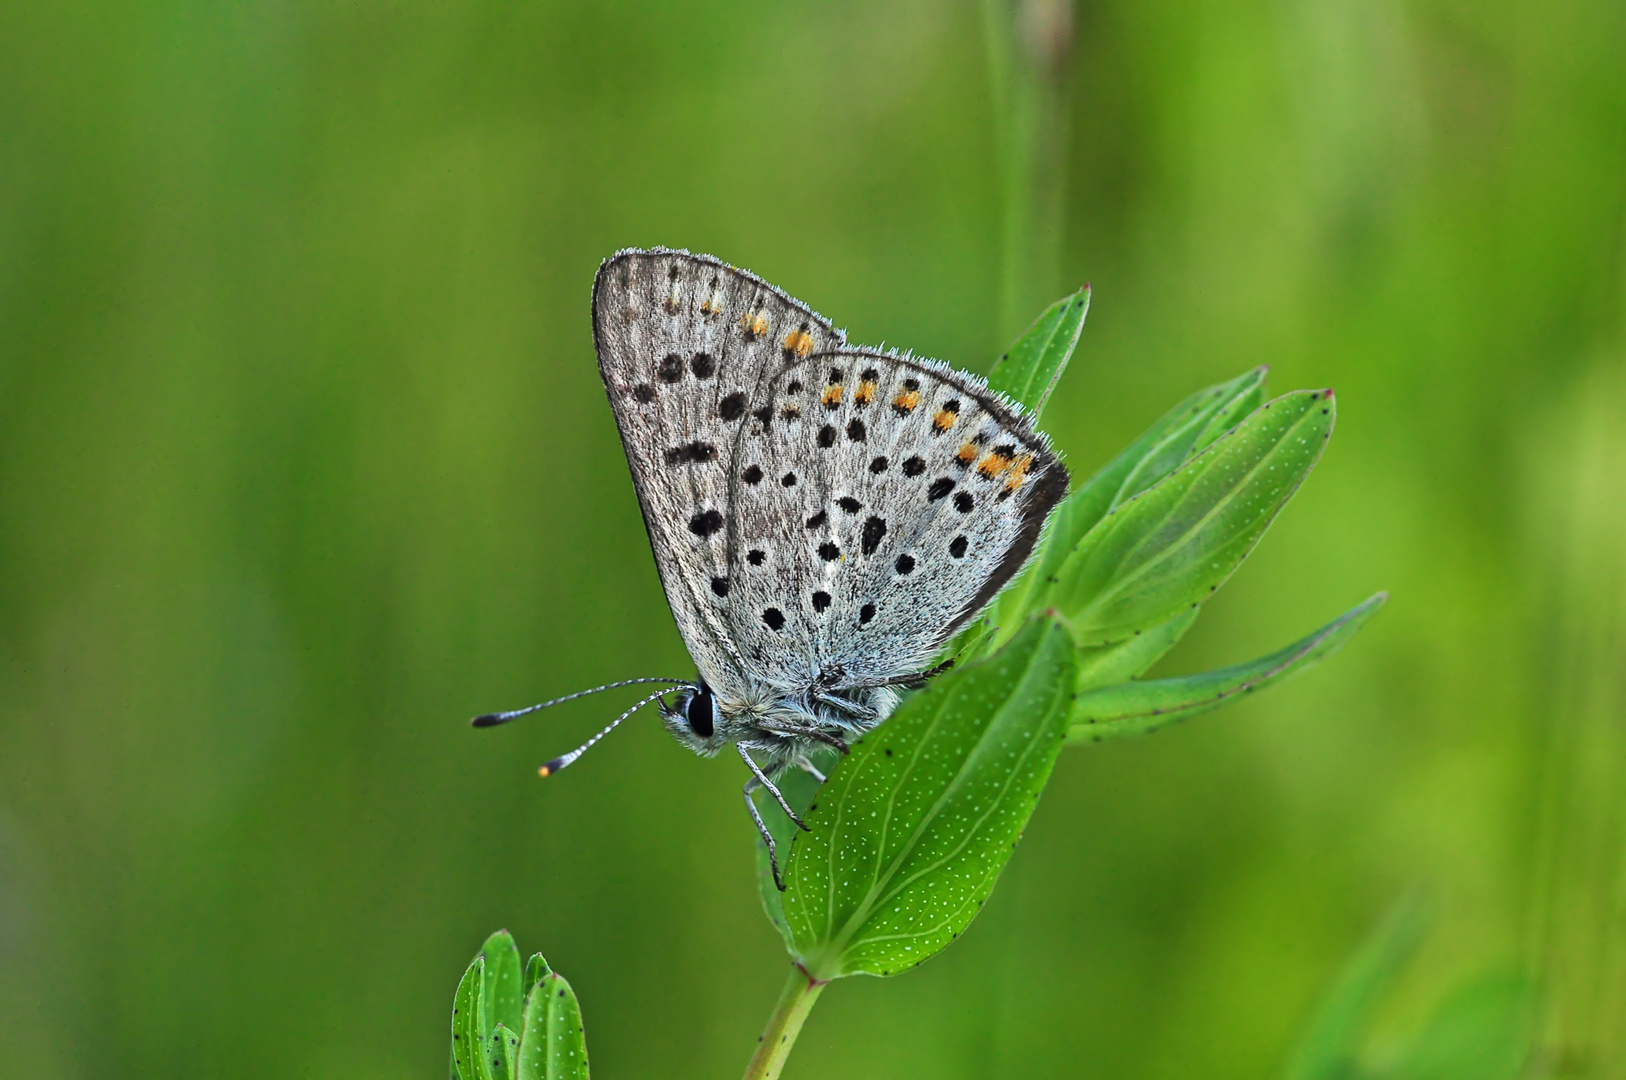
[824, 516]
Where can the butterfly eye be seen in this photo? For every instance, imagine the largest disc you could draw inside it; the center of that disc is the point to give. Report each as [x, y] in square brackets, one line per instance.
[700, 712]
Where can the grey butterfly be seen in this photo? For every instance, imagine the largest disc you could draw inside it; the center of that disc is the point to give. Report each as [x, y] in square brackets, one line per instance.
[824, 516]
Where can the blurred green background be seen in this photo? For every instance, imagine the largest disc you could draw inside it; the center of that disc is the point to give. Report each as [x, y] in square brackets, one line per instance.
[304, 460]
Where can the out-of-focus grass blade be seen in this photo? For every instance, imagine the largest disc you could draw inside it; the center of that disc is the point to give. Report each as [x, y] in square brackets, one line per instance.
[1328, 1049]
[502, 989]
[1133, 708]
[1170, 547]
[1105, 665]
[553, 1046]
[1161, 449]
[1481, 1032]
[468, 1024]
[1029, 372]
[912, 829]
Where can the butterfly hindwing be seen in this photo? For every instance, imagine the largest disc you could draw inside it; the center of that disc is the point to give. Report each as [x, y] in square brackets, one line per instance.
[686, 347]
[884, 504]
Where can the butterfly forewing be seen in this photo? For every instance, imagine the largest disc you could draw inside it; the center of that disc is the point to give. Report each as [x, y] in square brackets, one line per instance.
[881, 505]
[686, 347]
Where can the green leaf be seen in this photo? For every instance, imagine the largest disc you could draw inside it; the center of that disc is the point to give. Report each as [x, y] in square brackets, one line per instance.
[1160, 450]
[1170, 547]
[1135, 707]
[1328, 1048]
[502, 991]
[1106, 665]
[502, 1051]
[1481, 1032]
[913, 827]
[553, 1046]
[536, 969]
[469, 1024]
[1030, 371]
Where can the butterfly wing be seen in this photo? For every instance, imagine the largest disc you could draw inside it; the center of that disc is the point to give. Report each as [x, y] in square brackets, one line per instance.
[887, 502]
[687, 346]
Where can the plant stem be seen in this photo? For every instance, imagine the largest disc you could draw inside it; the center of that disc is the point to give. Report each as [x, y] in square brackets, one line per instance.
[795, 1002]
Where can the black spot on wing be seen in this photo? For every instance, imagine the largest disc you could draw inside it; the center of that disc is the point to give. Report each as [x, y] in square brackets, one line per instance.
[731, 407]
[821, 600]
[719, 586]
[829, 552]
[751, 475]
[773, 617]
[940, 487]
[705, 523]
[879, 465]
[670, 369]
[914, 466]
[874, 531]
[866, 613]
[643, 393]
[849, 504]
[756, 557]
[958, 545]
[702, 365]
[904, 564]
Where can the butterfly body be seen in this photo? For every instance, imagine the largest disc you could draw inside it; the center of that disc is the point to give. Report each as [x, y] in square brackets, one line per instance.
[824, 517]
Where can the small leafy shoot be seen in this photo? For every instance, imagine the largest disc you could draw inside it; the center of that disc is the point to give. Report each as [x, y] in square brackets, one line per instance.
[1028, 373]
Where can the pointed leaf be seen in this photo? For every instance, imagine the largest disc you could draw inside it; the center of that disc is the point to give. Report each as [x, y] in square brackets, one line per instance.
[502, 991]
[1030, 371]
[1135, 707]
[1327, 1050]
[1169, 548]
[1161, 449]
[502, 1052]
[1107, 665]
[913, 827]
[554, 1046]
[536, 969]
[469, 1024]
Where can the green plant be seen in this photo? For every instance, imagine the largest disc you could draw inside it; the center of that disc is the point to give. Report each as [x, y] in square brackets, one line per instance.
[909, 834]
[514, 1023]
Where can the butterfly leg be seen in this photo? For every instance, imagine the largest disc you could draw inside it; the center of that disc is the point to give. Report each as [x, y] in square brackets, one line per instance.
[762, 828]
[851, 708]
[828, 738]
[808, 767]
[913, 680]
[762, 780]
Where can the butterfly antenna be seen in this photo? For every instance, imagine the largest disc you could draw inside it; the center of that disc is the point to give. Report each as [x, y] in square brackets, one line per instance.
[495, 718]
[564, 760]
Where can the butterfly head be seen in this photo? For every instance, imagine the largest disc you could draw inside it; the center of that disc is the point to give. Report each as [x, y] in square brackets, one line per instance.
[694, 719]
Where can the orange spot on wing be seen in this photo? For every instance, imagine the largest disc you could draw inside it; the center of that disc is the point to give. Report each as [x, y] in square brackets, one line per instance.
[798, 343]
[832, 395]
[944, 420]
[994, 464]
[865, 392]
[712, 304]
[1018, 472]
[967, 454]
[906, 400]
[754, 325]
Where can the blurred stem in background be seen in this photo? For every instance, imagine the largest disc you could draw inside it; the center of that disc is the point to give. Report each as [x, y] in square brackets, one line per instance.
[1030, 45]
[1577, 931]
